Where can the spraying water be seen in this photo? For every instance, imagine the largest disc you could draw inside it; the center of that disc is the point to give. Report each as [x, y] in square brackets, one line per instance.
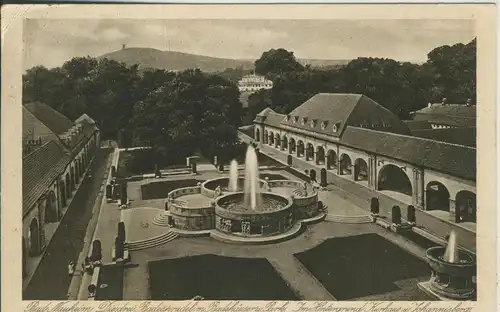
[451, 252]
[233, 176]
[252, 190]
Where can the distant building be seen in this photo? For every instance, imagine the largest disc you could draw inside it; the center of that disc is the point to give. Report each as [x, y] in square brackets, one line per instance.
[444, 115]
[254, 83]
[56, 154]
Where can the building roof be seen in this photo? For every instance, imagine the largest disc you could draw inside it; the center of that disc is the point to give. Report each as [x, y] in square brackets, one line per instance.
[456, 160]
[417, 125]
[324, 111]
[459, 115]
[34, 129]
[40, 169]
[460, 136]
[54, 120]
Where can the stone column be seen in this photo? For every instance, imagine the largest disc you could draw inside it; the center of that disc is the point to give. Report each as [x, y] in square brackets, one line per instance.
[353, 172]
[418, 188]
[454, 213]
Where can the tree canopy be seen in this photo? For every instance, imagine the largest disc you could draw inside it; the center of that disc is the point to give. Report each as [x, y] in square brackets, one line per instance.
[402, 87]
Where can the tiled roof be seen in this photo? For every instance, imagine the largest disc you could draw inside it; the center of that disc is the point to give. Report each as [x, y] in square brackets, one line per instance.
[40, 169]
[459, 110]
[460, 136]
[458, 115]
[34, 129]
[459, 161]
[339, 110]
[54, 120]
[417, 124]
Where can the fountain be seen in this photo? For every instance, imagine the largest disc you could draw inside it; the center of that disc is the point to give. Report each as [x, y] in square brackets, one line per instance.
[452, 271]
[253, 198]
[233, 176]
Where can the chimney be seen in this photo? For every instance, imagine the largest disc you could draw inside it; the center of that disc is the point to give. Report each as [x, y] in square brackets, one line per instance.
[444, 101]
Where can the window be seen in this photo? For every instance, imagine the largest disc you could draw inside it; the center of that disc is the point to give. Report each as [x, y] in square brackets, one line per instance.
[313, 123]
[295, 119]
[336, 127]
[323, 125]
[304, 120]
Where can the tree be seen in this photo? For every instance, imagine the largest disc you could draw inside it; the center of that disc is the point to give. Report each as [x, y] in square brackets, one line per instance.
[277, 62]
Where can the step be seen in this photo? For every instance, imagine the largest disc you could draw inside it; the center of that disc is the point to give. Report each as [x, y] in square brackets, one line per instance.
[161, 220]
[152, 242]
[349, 219]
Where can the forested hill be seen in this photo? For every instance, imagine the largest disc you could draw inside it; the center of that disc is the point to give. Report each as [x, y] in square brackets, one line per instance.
[175, 61]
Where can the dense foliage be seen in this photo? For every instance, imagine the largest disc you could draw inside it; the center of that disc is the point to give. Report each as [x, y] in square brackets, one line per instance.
[450, 72]
[178, 114]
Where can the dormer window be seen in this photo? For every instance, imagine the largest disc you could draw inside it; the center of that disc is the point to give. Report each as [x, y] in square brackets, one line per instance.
[295, 119]
[323, 125]
[313, 123]
[304, 120]
[336, 127]
[288, 117]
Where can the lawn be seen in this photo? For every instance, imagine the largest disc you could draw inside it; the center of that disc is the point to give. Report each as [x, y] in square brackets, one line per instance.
[110, 284]
[366, 265]
[217, 278]
[156, 190]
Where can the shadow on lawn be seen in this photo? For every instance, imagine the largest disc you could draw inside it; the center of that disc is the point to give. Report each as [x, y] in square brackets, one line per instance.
[363, 265]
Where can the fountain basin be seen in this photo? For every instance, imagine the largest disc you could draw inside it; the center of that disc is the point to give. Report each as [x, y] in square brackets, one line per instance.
[450, 280]
[464, 267]
[208, 187]
[274, 215]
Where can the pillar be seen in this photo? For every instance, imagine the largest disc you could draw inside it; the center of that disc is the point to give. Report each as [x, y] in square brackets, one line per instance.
[454, 215]
[418, 188]
[353, 172]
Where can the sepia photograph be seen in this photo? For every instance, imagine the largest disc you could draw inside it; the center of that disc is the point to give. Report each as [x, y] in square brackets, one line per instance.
[282, 159]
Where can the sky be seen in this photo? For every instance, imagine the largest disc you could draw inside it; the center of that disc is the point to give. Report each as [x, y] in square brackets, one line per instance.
[51, 42]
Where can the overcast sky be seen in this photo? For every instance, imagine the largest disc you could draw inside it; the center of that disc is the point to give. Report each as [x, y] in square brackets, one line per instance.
[52, 42]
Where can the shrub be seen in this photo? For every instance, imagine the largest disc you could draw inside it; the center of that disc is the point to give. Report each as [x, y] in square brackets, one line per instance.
[412, 218]
[396, 215]
[374, 205]
[119, 248]
[96, 254]
[121, 231]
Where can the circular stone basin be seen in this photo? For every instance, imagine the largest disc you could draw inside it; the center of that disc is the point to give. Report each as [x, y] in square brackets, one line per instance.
[464, 266]
[223, 183]
[268, 202]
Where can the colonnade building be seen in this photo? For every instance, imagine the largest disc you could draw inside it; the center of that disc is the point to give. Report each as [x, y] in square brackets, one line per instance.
[354, 144]
[56, 154]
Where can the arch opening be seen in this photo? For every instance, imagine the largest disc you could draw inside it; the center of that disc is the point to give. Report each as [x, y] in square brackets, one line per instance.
[320, 155]
[34, 239]
[360, 170]
[277, 141]
[284, 142]
[312, 175]
[345, 164]
[51, 213]
[393, 178]
[300, 149]
[437, 196]
[68, 186]
[257, 135]
[271, 138]
[331, 160]
[465, 202]
[62, 193]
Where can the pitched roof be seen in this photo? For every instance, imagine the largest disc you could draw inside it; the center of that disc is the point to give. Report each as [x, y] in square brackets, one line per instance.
[34, 129]
[54, 120]
[417, 125]
[341, 110]
[40, 169]
[459, 115]
[460, 136]
[459, 161]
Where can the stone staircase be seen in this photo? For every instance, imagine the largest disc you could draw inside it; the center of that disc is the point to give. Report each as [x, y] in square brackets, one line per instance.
[349, 219]
[161, 219]
[299, 193]
[151, 242]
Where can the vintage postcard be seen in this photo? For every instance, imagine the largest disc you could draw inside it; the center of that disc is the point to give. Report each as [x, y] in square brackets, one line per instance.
[249, 158]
